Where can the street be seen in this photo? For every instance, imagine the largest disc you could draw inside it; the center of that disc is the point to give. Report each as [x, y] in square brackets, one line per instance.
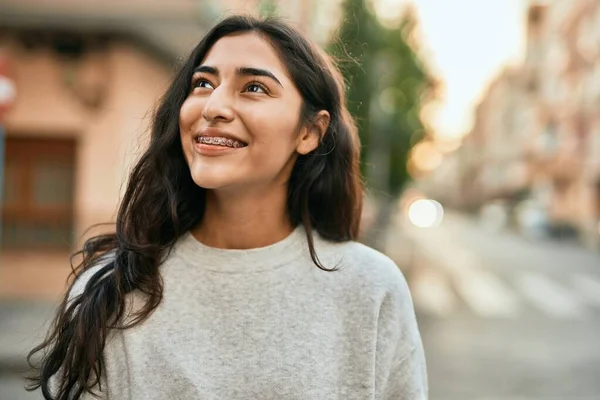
[23, 327]
[503, 317]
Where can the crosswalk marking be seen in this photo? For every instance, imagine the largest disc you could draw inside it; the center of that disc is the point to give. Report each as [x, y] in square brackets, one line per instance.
[432, 294]
[462, 277]
[483, 292]
[486, 295]
[588, 287]
[435, 292]
[548, 296]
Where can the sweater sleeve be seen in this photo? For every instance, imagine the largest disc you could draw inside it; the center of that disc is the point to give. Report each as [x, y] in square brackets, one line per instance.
[401, 372]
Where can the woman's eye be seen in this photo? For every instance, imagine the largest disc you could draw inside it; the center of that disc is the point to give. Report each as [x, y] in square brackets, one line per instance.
[203, 84]
[255, 88]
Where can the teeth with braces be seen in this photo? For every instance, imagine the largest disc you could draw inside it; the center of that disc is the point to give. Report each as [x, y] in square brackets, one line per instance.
[219, 141]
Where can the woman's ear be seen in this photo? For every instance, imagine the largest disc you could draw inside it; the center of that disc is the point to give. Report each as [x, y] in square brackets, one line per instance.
[311, 135]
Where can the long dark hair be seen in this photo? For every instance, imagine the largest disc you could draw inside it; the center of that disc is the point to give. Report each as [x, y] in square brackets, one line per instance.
[162, 202]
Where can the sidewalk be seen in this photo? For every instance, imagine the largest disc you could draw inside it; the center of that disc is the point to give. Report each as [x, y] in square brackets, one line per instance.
[22, 326]
[505, 244]
[450, 244]
[31, 285]
[474, 234]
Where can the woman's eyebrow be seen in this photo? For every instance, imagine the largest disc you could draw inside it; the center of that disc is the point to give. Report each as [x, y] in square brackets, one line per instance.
[240, 71]
[249, 71]
[207, 70]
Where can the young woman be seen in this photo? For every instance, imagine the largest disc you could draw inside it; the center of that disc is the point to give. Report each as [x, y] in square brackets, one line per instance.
[233, 273]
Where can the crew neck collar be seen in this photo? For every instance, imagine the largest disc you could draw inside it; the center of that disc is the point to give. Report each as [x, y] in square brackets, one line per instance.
[243, 261]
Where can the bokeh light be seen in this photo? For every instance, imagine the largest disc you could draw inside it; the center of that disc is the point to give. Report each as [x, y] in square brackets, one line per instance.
[425, 156]
[425, 213]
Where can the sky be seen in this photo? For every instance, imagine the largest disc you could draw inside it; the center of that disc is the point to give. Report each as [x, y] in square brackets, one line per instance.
[467, 43]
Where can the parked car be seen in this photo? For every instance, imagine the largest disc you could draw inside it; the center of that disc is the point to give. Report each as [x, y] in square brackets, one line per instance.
[532, 219]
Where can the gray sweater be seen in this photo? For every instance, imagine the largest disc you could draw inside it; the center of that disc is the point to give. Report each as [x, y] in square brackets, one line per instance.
[266, 323]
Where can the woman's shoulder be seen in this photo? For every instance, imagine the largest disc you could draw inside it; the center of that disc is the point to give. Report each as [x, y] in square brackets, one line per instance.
[365, 265]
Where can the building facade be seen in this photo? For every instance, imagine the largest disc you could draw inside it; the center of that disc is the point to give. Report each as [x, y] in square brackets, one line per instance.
[537, 127]
[87, 76]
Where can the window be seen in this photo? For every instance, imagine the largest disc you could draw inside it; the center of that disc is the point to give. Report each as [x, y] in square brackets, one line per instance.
[37, 204]
[536, 15]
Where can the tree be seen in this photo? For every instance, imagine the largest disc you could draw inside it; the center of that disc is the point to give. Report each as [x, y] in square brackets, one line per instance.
[267, 8]
[353, 48]
[386, 86]
[409, 86]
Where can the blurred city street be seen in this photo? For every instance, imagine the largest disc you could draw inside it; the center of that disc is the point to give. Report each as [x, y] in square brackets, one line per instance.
[478, 118]
[503, 317]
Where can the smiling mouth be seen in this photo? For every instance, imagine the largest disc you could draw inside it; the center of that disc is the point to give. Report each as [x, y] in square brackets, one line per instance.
[220, 141]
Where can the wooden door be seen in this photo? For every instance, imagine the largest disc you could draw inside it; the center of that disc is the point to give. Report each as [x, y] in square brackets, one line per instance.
[37, 206]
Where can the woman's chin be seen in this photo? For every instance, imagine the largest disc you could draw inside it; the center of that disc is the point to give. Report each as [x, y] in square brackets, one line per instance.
[210, 176]
[208, 183]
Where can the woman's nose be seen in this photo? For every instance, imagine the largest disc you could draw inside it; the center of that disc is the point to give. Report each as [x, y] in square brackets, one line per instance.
[218, 106]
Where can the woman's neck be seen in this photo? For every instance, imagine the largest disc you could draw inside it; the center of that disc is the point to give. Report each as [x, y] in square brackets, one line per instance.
[244, 221]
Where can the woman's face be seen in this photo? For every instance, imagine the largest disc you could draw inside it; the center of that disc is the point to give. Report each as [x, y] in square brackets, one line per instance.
[238, 125]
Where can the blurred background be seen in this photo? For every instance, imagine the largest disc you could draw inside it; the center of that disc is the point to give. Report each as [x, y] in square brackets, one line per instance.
[481, 151]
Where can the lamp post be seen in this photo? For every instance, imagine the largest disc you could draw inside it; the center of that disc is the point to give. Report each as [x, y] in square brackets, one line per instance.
[7, 96]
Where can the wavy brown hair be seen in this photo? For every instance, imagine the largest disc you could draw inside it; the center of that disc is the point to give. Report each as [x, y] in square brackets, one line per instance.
[162, 202]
